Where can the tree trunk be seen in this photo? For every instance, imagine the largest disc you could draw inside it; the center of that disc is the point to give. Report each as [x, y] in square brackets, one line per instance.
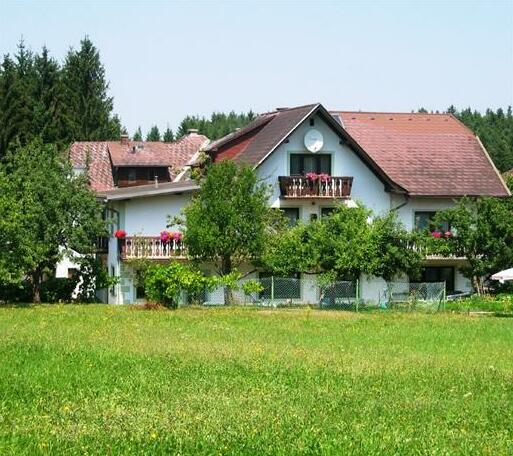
[226, 268]
[36, 287]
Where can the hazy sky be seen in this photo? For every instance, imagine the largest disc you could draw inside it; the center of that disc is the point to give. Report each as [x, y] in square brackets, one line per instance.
[167, 59]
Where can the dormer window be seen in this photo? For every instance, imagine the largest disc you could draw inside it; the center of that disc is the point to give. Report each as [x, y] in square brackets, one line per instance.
[132, 175]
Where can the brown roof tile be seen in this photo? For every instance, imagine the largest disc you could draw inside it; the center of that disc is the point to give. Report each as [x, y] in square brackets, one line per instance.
[103, 156]
[428, 154]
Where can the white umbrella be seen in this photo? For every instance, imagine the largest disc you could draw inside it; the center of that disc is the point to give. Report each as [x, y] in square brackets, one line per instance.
[502, 276]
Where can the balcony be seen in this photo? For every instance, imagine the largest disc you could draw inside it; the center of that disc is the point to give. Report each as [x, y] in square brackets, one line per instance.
[304, 187]
[151, 248]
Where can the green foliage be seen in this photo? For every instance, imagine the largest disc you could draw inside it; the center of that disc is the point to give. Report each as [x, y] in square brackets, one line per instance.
[153, 134]
[41, 99]
[88, 106]
[495, 129]
[483, 233]
[226, 221]
[46, 211]
[138, 135]
[165, 283]
[219, 124]
[58, 289]
[345, 244]
[94, 276]
[252, 287]
[168, 135]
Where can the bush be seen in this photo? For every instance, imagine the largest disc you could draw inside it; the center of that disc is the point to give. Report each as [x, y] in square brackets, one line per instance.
[165, 283]
[15, 292]
[58, 289]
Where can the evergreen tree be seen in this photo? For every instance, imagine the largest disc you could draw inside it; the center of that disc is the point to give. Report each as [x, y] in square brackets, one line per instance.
[168, 135]
[138, 134]
[153, 134]
[88, 104]
[219, 124]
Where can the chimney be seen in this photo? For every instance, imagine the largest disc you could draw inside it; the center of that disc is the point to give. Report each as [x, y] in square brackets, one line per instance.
[124, 140]
[192, 131]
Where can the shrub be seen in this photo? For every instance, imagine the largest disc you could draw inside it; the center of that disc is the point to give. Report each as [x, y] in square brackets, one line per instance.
[165, 283]
[58, 289]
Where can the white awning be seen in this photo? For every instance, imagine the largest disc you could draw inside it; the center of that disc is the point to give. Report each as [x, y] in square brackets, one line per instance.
[503, 276]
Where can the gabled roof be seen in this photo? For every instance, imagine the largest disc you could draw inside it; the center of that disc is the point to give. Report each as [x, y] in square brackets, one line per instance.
[102, 157]
[421, 154]
[428, 154]
[258, 141]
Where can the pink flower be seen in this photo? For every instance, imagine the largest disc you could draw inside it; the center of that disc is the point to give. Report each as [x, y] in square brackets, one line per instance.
[436, 234]
[120, 234]
[177, 236]
[448, 234]
[164, 237]
[323, 177]
[311, 176]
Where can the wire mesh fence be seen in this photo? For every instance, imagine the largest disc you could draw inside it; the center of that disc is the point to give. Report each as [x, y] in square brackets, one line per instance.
[345, 295]
[425, 296]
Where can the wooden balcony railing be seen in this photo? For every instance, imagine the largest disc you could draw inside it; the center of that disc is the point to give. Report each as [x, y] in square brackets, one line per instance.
[303, 187]
[151, 247]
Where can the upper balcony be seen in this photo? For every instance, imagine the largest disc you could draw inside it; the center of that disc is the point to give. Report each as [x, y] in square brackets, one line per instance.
[319, 186]
[151, 248]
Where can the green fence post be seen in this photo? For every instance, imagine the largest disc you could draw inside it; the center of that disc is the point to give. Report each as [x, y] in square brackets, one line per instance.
[272, 290]
[357, 293]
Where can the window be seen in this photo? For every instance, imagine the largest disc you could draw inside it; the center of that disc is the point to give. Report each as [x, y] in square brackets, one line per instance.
[439, 274]
[292, 214]
[325, 211]
[132, 175]
[288, 287]
[424, 221]
[300, 164]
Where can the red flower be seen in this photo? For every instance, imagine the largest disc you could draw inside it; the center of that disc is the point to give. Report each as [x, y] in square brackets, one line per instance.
[436, 234]
[164, 237]
[323, 177]
[311, 176]
[177, 236]
[120, 234]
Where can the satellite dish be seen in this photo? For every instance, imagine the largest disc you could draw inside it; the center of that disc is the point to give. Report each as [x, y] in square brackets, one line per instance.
[314, 140]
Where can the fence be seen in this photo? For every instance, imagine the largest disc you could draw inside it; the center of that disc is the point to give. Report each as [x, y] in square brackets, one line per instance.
[288, 292]
[413, 296]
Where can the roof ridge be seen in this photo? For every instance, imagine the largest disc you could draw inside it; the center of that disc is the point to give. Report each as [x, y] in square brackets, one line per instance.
[394, 112]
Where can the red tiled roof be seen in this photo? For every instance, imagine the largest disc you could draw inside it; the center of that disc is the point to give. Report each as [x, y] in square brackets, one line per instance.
[103, 156]
[427, 154]
[97, 155]
[422, 154]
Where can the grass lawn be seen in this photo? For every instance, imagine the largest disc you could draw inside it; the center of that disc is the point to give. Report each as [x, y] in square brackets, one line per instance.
[114, 380]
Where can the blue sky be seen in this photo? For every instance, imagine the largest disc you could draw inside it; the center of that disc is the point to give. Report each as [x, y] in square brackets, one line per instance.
[168, 59]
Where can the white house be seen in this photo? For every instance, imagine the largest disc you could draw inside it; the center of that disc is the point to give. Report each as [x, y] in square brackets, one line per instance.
[414, 164]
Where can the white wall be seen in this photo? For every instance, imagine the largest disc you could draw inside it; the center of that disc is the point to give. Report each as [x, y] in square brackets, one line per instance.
[366, 188]
[406, 213]
[149, 216]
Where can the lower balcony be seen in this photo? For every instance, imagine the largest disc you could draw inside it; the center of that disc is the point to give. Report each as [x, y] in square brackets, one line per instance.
[151, 248]
[320, 186]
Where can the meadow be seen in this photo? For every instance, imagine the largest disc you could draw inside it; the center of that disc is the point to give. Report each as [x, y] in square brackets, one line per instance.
[97, 379]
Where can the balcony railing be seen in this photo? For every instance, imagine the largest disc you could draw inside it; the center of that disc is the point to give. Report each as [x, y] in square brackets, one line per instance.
[303, 187]
[430, 254]
[151, 247]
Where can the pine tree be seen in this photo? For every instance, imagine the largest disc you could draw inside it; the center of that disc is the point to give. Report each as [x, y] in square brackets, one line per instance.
[153, 134]
[138, 134]
[168, 135]
[88, 104]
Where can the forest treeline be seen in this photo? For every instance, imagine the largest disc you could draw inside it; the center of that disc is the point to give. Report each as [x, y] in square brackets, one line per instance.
[62, 102]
